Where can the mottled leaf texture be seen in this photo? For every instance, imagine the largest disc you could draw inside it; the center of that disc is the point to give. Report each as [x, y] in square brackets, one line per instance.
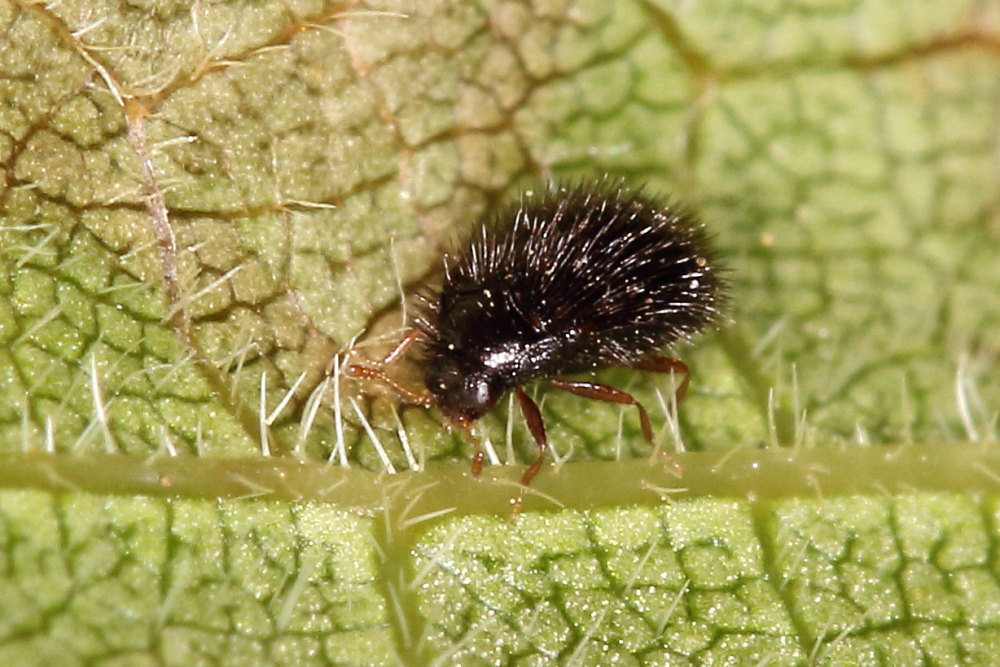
[203, 203]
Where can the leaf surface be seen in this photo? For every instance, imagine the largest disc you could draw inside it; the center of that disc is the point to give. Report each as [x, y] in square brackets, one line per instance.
[202, 204]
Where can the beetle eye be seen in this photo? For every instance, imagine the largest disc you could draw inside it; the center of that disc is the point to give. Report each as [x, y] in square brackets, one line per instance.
[481, 391]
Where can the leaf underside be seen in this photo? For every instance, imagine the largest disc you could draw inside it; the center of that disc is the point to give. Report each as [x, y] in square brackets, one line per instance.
[201, 205]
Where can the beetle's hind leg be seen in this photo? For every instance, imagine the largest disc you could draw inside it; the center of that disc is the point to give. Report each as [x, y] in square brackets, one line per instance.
[602, 392]
[657, 364]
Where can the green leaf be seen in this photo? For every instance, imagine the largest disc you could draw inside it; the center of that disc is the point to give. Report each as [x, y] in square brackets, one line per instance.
[202, 204]
[91, 578]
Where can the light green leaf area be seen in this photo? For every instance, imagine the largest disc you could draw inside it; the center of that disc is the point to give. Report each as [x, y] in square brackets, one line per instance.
[203, 204]
[103, 580]
[853, 580]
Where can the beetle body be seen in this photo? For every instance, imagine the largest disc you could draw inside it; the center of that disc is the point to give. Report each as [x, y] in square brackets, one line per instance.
[572, 281]
[569, 281]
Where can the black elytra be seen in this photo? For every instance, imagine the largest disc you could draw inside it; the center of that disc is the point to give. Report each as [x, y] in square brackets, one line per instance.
[571, 280]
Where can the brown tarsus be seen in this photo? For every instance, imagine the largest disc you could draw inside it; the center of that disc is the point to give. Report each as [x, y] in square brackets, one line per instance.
[377, 371]
[529, 409]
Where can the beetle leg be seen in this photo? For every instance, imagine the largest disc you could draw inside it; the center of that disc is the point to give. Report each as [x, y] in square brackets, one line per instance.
[533, 417]
[601, 392]
[469, 431]
[396, 353]
[658, 364]
[376, 371]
